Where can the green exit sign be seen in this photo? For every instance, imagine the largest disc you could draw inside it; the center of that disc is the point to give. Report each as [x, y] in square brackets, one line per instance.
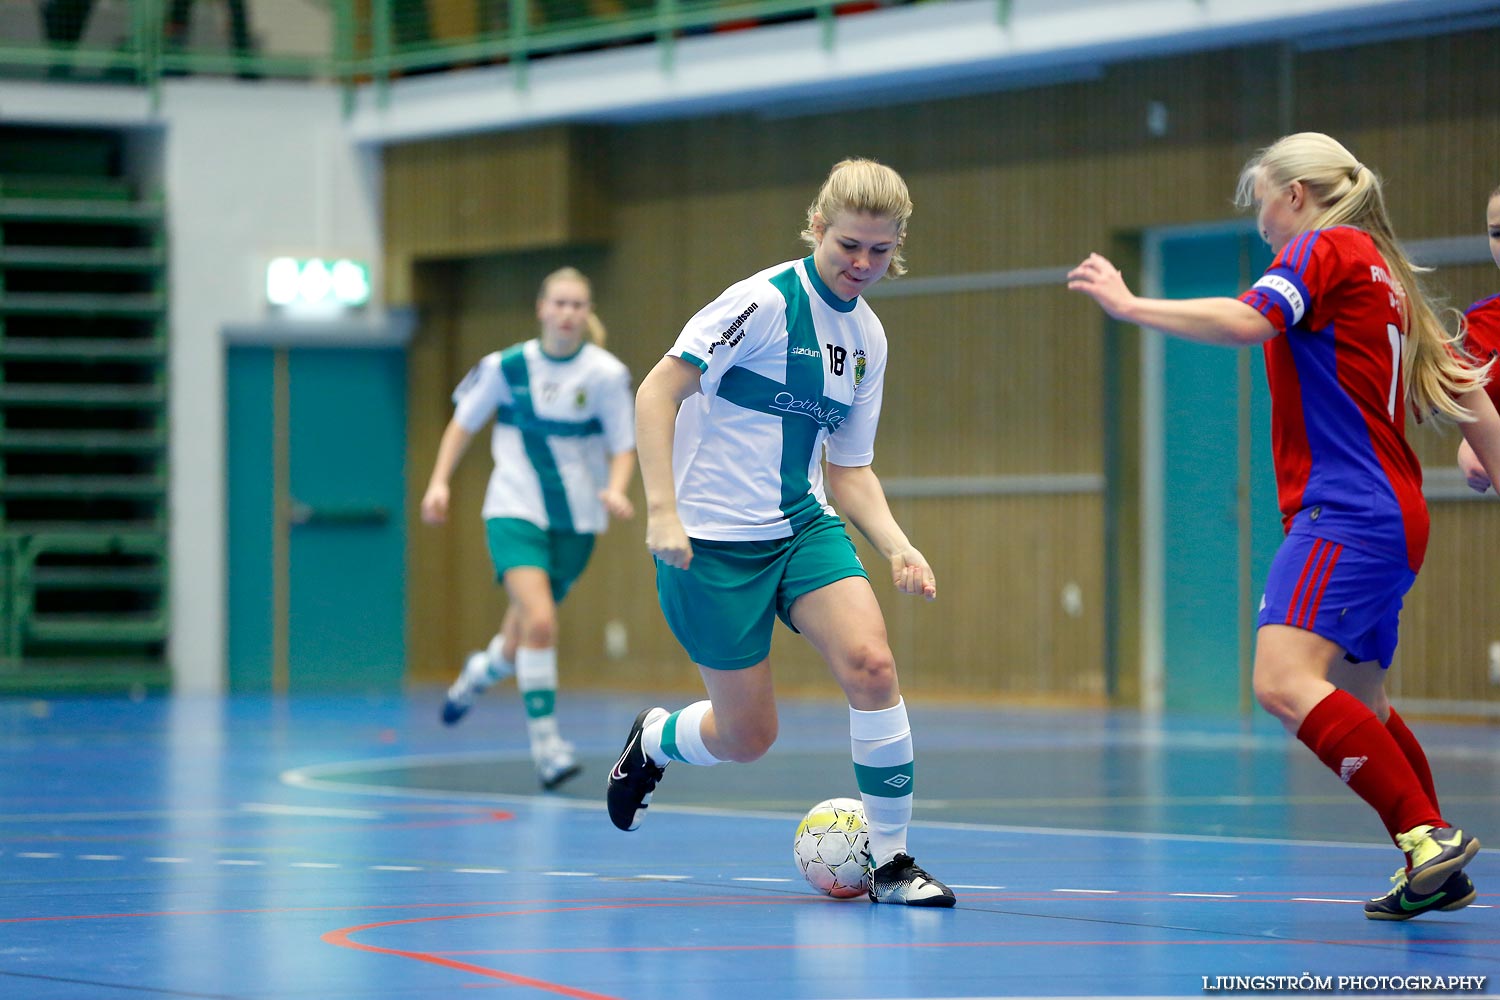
[317, 282]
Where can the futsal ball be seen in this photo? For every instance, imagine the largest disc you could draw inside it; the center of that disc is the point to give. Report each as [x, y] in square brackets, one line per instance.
[832, 848]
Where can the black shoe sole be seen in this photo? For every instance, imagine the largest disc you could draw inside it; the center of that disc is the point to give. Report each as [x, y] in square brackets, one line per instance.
[1374, 912]
[934, 902]
[1430, 880]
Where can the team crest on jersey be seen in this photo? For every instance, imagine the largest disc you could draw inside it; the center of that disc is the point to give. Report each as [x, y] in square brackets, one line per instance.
[581, 400]
[859, 366]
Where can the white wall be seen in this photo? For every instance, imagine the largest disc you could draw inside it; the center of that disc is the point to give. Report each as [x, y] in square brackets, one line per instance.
[250, 171]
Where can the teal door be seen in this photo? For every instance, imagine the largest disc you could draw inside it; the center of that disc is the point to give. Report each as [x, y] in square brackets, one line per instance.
[316, 547]
[1219, 523]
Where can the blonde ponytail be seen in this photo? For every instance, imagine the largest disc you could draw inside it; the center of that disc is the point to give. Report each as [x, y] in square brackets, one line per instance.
[597, 333]
[1349, 194]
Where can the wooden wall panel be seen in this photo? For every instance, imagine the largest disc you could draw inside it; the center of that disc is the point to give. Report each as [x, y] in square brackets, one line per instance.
[1453, 612]
[431, 552]
[975, 388]
[983, 383]
[490, 193]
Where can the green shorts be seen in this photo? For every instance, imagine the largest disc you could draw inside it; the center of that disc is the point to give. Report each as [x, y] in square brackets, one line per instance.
[562, 554]
[724, 606]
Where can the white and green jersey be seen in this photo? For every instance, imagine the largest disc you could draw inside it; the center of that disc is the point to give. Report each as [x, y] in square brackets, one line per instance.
[555, 422]
[789, 369]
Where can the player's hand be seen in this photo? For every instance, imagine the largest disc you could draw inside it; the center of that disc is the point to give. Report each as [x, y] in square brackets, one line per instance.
[618, 504]
[435, 504]
[1097, 278]
[669, 542]
[1473, 470]
[912, 575]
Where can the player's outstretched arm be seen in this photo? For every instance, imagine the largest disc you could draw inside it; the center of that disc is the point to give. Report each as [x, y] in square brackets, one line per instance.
[656, 401]
[861, 499]
[1224, 321]
[451, 448]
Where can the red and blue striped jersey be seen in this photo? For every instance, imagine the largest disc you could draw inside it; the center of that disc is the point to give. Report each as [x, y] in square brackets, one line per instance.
[1338, 414]
[1482, 342]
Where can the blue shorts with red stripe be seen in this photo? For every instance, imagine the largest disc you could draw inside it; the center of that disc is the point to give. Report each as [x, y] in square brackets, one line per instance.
[1346, 594]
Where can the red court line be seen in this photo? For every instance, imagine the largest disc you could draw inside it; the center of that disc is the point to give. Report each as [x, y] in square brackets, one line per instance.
[848, 945]
[343, 937]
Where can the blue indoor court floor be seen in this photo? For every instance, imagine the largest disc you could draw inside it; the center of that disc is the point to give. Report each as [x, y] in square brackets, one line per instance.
[263, 849]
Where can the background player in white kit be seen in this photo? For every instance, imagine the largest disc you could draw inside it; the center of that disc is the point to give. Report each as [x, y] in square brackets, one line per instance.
[733, 424]
[563, 442]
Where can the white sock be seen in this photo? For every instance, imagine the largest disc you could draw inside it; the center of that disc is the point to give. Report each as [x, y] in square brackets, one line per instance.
[883, 766]
[536, 678]
[500, 667]
[679, 737]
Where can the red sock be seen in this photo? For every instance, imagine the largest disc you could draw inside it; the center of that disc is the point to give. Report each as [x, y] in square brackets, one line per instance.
[1349, 738]
[1412, 750]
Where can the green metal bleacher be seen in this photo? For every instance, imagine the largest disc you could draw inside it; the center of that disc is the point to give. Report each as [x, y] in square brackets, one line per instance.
[369, 41]
[83, 424]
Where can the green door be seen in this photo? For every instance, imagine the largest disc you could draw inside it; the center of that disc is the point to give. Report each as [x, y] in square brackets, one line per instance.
[316, 548]
[1219, 524]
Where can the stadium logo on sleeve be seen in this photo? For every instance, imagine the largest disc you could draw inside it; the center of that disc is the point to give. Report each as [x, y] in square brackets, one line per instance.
[733, 334]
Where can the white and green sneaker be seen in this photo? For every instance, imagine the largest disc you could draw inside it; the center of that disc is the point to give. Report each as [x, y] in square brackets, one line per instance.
[555, 764]
[478, 674]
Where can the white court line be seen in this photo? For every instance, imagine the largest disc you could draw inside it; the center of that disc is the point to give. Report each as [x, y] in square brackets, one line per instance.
[276, 809]
[309, 777]
[242, 862]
